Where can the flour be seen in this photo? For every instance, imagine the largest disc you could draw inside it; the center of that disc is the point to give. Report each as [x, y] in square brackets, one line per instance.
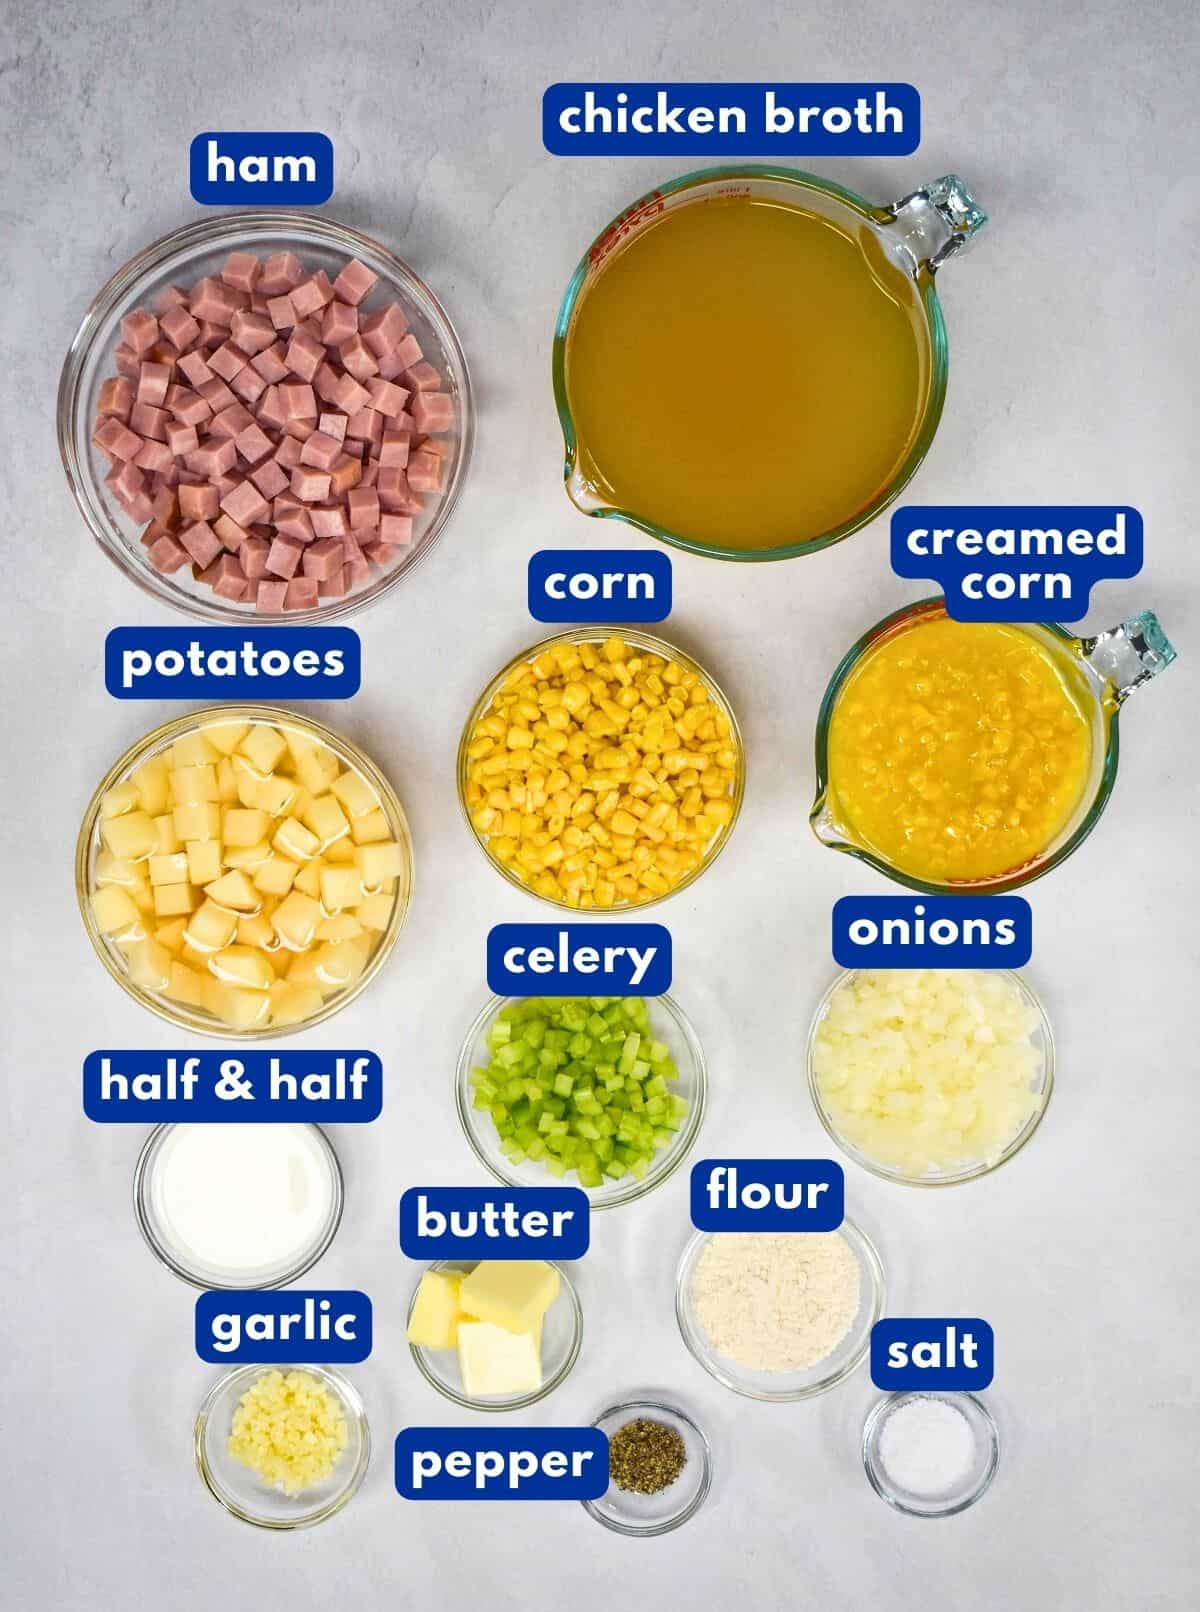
[776, 1302]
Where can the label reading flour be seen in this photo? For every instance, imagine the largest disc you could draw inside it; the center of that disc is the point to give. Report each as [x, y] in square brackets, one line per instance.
[495, 1223]
[768, 1195]
[501, 1463]
[147, 1088]
[932, 1352]
[220, 663]
[932, 932]
[613, 585]
[281, 1327]
[610, 959]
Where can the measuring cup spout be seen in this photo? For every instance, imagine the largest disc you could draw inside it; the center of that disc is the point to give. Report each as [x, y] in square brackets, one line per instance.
[937, 222]
[1129, 654]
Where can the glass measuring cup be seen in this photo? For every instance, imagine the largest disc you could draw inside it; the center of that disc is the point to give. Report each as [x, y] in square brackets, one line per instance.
[917, 235]
[1110, 666]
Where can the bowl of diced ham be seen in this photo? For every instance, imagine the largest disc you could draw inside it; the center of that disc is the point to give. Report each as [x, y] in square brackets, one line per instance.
[265, 414]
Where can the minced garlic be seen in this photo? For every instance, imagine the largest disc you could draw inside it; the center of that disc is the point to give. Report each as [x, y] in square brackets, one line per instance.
[289, 1429]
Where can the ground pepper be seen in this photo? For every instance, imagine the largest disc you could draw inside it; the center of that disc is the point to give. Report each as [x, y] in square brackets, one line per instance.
[646, 1456]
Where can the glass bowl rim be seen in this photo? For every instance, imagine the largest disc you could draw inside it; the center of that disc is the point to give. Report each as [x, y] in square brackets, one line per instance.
[931, 414]
[957, 1177]
[671, 1157]
[648, 643]
[352, 1406]
[521, 1401]
[668, 1525]
[1016, 878]
[155, 740]
[141, 1177]
[869, 1262]
[873, 1425]
[208, 234]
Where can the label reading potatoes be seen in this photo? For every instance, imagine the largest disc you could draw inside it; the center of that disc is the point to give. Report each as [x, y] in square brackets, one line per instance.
[932, 932]
[588, 585]
[579, 960]
[501, 1463]
[222, 663]
[945, 1352]
[749, 120]
[1017, 562]
[279, 169]
[768, 1195]
[281, 1327]
[495, 1223]
[148, 1088]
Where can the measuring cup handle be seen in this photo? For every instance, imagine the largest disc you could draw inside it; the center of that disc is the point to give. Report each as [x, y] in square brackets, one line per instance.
[938, 221]
[1130, 654]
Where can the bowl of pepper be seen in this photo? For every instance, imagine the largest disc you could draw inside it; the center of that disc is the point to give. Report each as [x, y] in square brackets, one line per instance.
[660, 1468]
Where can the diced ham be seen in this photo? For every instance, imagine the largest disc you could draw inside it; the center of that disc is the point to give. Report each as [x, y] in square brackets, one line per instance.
[241, 270]
[333, 425]
[128, 361]
[253, 444]
[294, 522]
[311, 295]
[248, 384]
[383, 331]
[116, 397]
[270, 595]
[233, 536]
[354, 282]
[297, 399]
[322, 558]
[253, 555]
[224, 576]
[114, 438]
[201, 542]
[394, 449]
[283, 559]
[270, 363]
[214, 457]
[280, 273]
[321, 451]
[422, 378]
[155, 457]
[189, 408]
[270, 478]
[310, 485]
[362, 508]
[227, 360]
[166, 555]
[408, 352]
[195, 366]
[303, 593]
[216, 394]
[304, 355]
[179, 327]
[432, 411]
[281, 312]
[346, 473]
[149, 421]
[245, 504]
[339, 323]
[329, 520]
[358, 359]
[336, 586]
[251, 331]
[387, 398]
[424, 471]
[139, 330]
[396, 530]
[182, 438]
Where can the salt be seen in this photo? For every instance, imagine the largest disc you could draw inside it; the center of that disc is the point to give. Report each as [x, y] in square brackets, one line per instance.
[927, 1447]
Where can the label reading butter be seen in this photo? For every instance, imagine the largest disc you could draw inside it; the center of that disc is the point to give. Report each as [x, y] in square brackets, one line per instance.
[221, 663]
[502, 1463]
[144, 1088]
[494, 1223]
[946, 1352]
[768, 1195]
[279, 1327]
[614, 585]
[1017, 562]
[609, 959]
[932, 932]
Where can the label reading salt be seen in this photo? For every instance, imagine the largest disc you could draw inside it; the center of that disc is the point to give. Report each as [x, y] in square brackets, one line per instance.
[495, 1223]
[1017, 562]
[611, 959]
[932, 932]
[938, 1352]
[501, 1463]
[222, 663]
[611, 585]
[229, 167]
[148, 1088]
[768, 1195]
[284, 1327]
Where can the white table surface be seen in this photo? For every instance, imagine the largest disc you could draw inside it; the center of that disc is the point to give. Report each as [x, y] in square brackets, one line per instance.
[1073, 329]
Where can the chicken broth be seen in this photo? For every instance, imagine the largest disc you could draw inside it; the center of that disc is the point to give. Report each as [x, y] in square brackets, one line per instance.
[746, 374]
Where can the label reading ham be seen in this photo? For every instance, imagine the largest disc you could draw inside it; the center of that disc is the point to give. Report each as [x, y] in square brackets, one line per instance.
[228, 167]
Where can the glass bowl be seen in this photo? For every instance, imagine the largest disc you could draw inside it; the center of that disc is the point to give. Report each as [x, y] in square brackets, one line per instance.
[154, 1225]
[670, 1026]
[187, 255]
[776, 1386]
[641, 1516]
[975, 1483]
[88, 847]
[647, 645]
[1043, 1037]
[241, 1491]
[562, 1335]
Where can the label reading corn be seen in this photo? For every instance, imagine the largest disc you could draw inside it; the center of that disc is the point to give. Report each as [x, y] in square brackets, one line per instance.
[599, 585]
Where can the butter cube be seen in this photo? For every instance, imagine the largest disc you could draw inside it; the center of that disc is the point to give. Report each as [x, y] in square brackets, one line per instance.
[115, 911]
[234, 890]
[198, 821]
[293, 840]
[263, 746]
[170, 899]
[244, 826]
[132, 836]
[172, 869]
[512, 1293]
[495, 1361]
[150, 781]
[355, 794]
[204, 861]
[436, 1312]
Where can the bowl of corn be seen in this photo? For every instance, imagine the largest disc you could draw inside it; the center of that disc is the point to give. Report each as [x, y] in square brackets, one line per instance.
[602, 770]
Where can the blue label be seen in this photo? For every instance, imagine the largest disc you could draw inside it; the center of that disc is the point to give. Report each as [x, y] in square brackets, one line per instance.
[1017, 562]
[749, 120]
[768, 1195]
[932, 932]
[280, 1327]
[228, 663]
[599, 585]
[501, 1463]
[950, 1353]
[275, 169]
[579, 960]
[494, 1223]
[147, 1088]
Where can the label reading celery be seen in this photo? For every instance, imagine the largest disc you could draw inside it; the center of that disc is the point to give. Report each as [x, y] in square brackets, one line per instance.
[950, 1353]
[144, 1087]
[932, 932]
[280, 1327]
[501, 1463]
[495, 1223]
[1017, 562]
[768, 1195]
[611, 959]
[598, 585]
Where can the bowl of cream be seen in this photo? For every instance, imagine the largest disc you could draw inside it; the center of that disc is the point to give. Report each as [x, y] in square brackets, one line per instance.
[238, 1206]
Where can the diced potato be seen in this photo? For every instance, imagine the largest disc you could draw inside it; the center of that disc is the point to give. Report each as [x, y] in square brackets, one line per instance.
[120, 798]
[366, 830]
[150, 781]
[192, 784]
[132, 836]
[226, 782]
[111, 869]
[376, 911]
[292, 1003]
[263, 746]
[143, 895]
[168, 840]
[242, 826]
[170, 899]
[295, 920]
[224, 735]
[171, 869]
[341, 851]
[326, 819]
[272, 794]
[302, 970]
[234, 890]
[342, 926]
[204, 861]
[377, 863]
[241, 1010]
[309, 879]
[340, 887]
[254, 929]
[355, 794]
[193, 750]
[186, 985]
[293, 840]
[150, 965]
[170, 935]
[201, 821]
[210, 928]
[115, 911]
[249, 857]
[243, 967]
[340, 964]
[276, 876]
